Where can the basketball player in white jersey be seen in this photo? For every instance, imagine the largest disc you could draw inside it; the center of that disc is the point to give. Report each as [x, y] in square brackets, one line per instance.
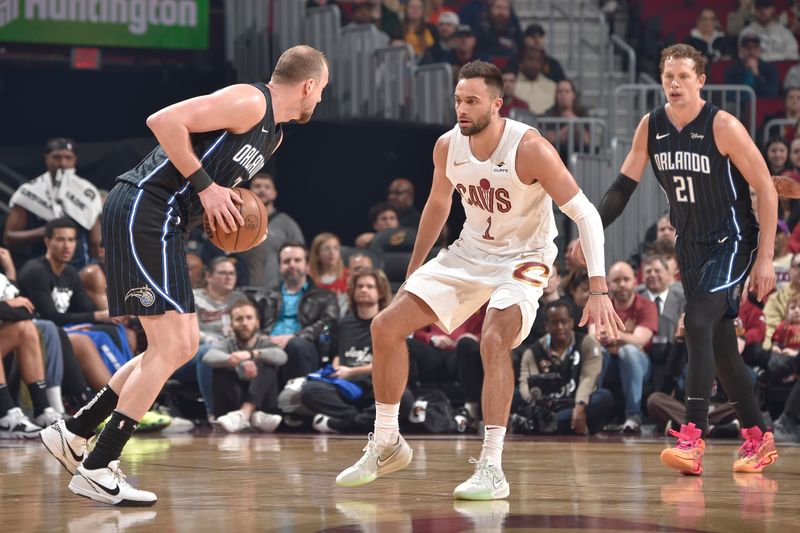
[506, 175]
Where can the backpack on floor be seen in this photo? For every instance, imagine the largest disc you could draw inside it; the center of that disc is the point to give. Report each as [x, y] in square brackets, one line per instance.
[432, 413]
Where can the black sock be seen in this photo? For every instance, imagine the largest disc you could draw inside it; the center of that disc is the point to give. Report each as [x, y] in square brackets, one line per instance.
[111, 441]
[38, 389]
[89, 417]
[6, 403]
[697, 412]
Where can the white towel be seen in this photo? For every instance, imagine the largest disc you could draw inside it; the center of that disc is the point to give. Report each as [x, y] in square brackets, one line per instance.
[69, 195]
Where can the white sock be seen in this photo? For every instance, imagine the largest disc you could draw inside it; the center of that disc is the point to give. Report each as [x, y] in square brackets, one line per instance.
[387, 427]
[473, 409]
[493, 445]
[54, 398]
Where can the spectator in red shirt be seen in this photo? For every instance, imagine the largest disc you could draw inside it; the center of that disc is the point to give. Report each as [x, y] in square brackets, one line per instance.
[782, 363]
[628, 359]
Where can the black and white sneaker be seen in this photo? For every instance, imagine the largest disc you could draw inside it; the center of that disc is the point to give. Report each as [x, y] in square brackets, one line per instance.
[15, 425]
[108, 485]
[64, 445]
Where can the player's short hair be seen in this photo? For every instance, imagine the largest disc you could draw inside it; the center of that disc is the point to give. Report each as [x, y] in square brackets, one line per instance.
[683, 51]
[57, 223]
[299, 63]
[243, 303]
[481, 69]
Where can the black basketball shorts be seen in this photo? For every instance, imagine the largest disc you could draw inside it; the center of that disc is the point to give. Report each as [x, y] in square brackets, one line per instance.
[145, 254]
[716, 267]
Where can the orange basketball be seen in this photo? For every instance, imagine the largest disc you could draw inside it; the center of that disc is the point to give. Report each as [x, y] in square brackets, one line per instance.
[248, 235]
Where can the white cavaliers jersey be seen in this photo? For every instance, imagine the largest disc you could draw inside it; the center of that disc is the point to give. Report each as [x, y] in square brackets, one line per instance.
[504, 216]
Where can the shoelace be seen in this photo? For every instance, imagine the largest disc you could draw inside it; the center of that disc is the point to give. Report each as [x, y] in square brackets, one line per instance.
[749, 448]
[684, 441]
[371, 450]
[119, 476]
[482, 469]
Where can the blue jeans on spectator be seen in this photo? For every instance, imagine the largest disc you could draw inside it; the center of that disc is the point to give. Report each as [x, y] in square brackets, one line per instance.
[633, 367]
[196, 372]
[599, 408]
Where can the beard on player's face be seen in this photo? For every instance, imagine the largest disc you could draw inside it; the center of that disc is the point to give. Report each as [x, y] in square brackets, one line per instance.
[477, 125]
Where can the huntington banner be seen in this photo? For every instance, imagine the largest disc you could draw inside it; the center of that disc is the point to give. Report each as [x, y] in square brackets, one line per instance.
[181, 24]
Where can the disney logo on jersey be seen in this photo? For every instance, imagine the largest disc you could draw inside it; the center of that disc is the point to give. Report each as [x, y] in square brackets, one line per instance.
[485, 196]
[250, 158]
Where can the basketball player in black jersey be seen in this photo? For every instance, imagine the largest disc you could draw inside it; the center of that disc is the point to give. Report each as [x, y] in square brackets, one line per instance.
[704, 160]
[206, 146]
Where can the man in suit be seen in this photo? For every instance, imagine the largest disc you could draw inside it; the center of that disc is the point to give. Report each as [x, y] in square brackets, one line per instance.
[661, 289]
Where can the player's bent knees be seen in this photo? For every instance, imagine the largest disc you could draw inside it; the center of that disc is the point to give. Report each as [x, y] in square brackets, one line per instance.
[384, 328]
[494, 347]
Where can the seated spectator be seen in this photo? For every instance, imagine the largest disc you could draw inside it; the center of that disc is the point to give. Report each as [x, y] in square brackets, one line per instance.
[344, 411]
[400, 196]
[437, 357]
[570, 263]
[565, 367]
[751, 70]
[778, 302]
[196, 271]
[628, 362]
[382, 216]
[533, 86]
[787, 426]
[567, 106]
[792, 79]
[782, 259]
[550, 293]
[446, 29]
[776, 154]
[576, 292]
[791, 112]
[751, 329]
[54, 287]
[778, 43]
[295, 314]
[416, 32]
[245, 384]
[262, 261]
[665, 247]
[375, 12]
[499, 34]
[214, 302]
[509, 87]
[791, 18]
[326, 268]
[465, 49]
[357, 263]
[661, 289]
[707, 37]
[59, 192]
[782, 363]
[534, 38]
[437, 8]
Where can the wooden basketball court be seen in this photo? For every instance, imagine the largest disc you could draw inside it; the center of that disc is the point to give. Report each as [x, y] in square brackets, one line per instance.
[216, 482]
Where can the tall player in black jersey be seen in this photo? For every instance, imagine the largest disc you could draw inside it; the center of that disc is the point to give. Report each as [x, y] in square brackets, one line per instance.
[206, 145]
[704, 160]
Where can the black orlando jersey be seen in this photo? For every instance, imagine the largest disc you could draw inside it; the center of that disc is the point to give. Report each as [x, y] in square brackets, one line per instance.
[709, 200]
[229, 159]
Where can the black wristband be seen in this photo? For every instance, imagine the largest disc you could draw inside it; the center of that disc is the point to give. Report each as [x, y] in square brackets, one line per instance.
[200, 179]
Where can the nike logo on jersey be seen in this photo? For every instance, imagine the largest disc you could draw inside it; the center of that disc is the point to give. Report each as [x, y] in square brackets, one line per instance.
[459, 163]
[660, 136]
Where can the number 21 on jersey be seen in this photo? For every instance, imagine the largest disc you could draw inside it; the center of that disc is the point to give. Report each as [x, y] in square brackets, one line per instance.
[684, 189]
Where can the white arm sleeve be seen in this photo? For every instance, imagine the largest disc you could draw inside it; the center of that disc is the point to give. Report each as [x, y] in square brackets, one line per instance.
[590, 229]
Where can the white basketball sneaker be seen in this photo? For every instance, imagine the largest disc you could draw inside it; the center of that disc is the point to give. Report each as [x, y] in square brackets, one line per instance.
[487, 483]
[265, 422]
[15, 425]
[233, 422]
[64, 445]
[108, 485]
[377, 461]
[49, 416]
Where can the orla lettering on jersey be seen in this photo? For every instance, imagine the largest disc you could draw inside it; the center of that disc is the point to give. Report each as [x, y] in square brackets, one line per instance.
[250, 158]
[687, 161]
[486, 197]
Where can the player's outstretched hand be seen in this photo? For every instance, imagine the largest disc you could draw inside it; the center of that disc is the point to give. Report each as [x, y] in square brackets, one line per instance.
[220, 209]
[607, 324]
[763, 277]
[577, 254]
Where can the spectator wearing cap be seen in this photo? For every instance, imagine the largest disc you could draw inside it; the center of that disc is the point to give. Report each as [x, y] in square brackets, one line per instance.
[707, 37]
[499, 34]
[439, 7]
[445, 29]
[534, 38]
[533, 86]
[464, 49]
[57, 193]
[509, 86]
[751, 70]
[777, 42]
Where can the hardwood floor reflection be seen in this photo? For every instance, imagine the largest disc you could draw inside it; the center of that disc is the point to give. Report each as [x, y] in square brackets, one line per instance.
[213, 482]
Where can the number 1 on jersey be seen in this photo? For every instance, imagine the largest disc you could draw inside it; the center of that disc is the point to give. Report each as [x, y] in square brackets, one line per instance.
[486, 233]
[682, 187]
